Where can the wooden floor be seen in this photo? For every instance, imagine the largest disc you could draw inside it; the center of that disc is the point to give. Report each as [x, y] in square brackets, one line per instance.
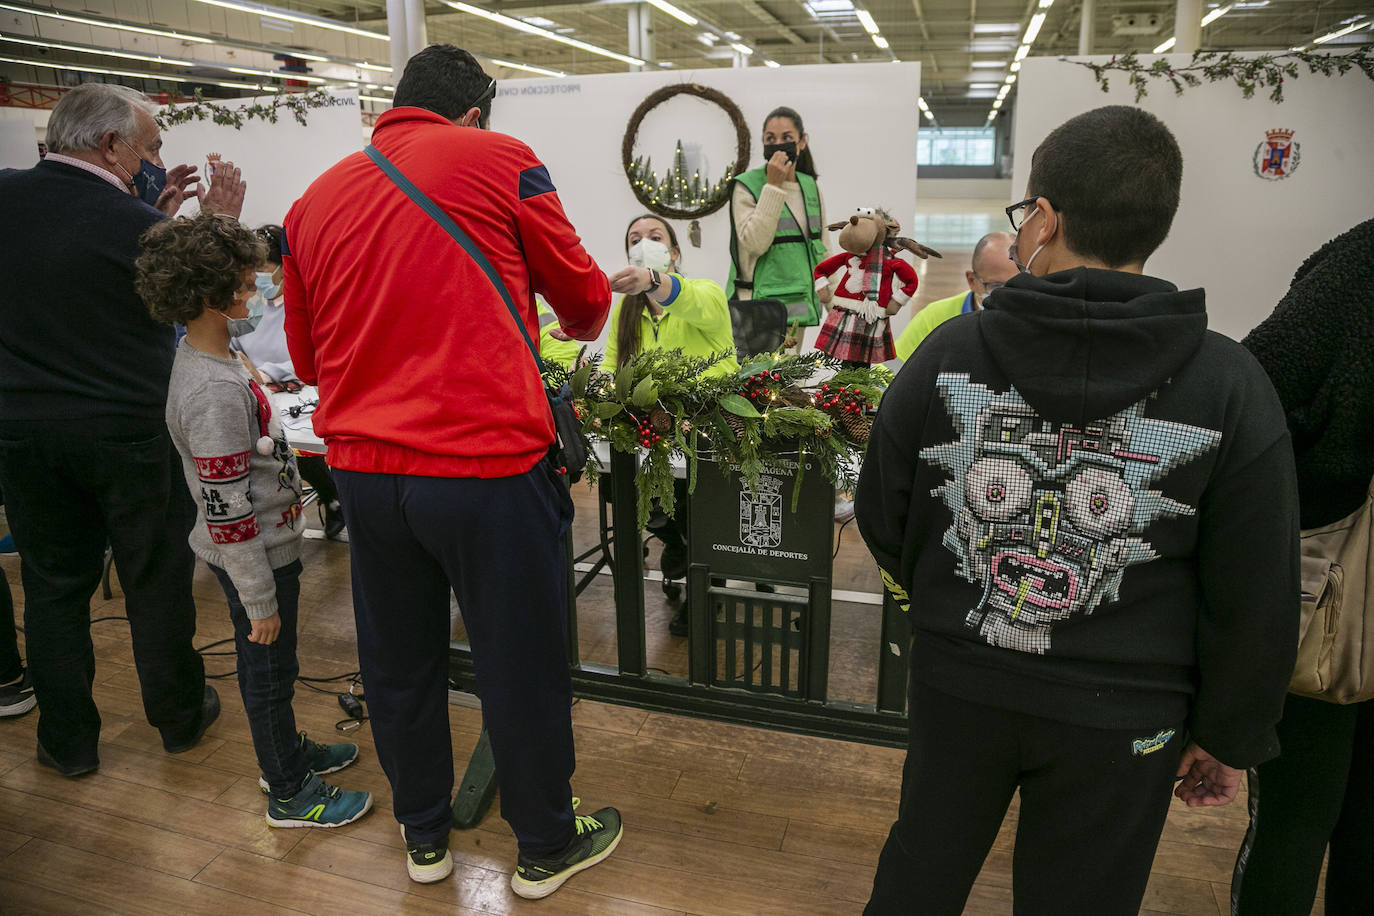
[720, 819]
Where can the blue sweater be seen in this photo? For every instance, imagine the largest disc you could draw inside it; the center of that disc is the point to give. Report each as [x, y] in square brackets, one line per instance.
[75, 339]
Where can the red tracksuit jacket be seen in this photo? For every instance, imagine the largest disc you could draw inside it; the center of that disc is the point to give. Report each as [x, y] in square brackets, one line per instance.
[420, 367]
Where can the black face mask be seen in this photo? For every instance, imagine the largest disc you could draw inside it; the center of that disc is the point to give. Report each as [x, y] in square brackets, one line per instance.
[790, 148]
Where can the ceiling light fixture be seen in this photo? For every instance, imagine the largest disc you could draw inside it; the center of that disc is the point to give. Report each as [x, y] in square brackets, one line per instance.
[364, 65]
[529, 68]
[866, 20]
[1215, 14]
[521, 26]
[742, 48]
[1033, 29]
[1329, 36]
[771, 63]
[1166, 45]
[271, 12]
[79, 49]
[880, 41]
[66, 17]
[673, 11]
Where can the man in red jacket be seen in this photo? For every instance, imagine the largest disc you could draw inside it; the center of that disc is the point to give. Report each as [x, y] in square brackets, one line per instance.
[438, 428]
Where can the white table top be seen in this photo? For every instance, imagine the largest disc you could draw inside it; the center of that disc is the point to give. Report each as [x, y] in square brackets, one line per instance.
[300, 431]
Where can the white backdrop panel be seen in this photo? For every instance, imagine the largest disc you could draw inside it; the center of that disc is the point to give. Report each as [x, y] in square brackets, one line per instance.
[278, 160]
[18, 144]
[860, 118]
[1236, 234]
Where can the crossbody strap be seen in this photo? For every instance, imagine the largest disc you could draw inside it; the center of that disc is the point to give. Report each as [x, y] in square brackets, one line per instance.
[448, 225]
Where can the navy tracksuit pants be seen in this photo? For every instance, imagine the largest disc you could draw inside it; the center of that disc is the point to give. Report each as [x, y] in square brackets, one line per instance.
[498, 543]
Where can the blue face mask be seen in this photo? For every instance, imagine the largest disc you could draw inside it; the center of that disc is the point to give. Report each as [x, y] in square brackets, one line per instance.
[266, 288]
[149, 180]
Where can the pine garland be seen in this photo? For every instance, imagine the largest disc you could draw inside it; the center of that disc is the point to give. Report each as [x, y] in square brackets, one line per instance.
[662, 404]
[1262, 71]
[298, 104]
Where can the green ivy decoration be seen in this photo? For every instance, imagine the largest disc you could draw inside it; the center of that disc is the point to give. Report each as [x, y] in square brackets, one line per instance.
[298, 104]
[659, 404]
[1263, 71]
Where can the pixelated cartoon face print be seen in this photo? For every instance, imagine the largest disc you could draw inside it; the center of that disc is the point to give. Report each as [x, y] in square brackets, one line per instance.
[1046, 515]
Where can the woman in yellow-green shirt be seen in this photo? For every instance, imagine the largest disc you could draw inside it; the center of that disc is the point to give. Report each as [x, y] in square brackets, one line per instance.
[662, 309]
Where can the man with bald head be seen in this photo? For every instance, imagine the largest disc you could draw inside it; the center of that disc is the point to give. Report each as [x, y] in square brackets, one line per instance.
[992, 266]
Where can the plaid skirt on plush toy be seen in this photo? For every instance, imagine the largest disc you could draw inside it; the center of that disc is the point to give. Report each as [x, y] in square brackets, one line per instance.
[851, 337]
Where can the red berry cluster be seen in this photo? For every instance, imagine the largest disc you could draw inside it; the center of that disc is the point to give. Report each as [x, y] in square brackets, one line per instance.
[846, 400]
[647, 437]
[759, 386]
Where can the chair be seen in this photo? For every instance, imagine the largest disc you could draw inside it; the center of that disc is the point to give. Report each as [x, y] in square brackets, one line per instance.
[759, 325]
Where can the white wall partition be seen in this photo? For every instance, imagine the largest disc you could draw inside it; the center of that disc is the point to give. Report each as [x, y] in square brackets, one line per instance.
[278, 160]
[1238, 233]
[18, 143]
[861, 120]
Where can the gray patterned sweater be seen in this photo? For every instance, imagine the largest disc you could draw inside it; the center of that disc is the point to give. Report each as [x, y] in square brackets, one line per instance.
[236, 460]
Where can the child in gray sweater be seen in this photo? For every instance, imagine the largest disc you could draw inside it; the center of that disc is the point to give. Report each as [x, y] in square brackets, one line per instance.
[200, 272]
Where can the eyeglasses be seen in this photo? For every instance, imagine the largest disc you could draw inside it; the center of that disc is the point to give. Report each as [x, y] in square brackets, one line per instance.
[1018, 214]
[487, 93]
[989, 285]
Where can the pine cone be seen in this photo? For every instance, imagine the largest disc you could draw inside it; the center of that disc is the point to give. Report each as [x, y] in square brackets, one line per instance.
[858, 426]
[736, 425]
[660, 420]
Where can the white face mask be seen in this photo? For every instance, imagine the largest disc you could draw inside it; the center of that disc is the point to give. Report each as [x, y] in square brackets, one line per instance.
[651, 254]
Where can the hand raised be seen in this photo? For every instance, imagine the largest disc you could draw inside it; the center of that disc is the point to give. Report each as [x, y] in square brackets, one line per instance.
[227, 189]
[630, 280]
[780, 169]
[175, 193]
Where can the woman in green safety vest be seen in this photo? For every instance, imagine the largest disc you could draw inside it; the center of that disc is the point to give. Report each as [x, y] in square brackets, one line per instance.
[777, 228]
[662, 309]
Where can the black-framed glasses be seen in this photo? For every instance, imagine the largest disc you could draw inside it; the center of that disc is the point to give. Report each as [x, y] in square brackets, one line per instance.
[487, 93]
[1017, 212]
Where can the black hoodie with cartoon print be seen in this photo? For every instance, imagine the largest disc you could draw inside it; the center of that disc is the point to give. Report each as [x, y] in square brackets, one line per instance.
[1088, 502]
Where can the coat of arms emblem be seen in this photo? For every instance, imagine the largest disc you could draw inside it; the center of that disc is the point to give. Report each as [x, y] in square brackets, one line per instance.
[760, 513]
[1277, 156]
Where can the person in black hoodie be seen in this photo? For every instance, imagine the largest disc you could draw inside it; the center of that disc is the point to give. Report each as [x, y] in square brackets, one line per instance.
[1086, 502]
[1318, 348]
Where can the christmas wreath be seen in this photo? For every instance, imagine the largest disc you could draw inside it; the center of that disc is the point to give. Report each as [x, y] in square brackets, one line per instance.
[776, 406]
[677, 195]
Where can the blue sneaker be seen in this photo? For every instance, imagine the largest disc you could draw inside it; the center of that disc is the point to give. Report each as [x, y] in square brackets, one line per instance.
[7, 546]
[321, 758]
[318, 804]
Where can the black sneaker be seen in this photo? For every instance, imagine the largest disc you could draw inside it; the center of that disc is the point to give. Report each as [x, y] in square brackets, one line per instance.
[333, 520]
[17, 698]
[427, 862]
[209, 712]
[597, 837]
[70, 770]
[679, 626]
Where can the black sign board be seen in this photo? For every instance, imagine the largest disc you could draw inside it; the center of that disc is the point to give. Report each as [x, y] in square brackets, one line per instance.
[753, 533]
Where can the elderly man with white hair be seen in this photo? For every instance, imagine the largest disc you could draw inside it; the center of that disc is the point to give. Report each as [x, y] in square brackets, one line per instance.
[85, 457]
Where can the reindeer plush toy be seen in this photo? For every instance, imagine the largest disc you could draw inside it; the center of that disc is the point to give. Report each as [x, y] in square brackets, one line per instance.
[865, 285]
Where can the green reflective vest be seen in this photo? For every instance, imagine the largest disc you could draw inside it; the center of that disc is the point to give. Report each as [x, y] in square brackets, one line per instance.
[786, 270]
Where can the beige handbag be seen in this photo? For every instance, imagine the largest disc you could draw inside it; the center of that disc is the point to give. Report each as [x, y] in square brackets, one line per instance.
[1336, 634]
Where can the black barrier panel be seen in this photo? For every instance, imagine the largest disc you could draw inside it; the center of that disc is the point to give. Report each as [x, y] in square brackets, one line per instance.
[753, 533]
